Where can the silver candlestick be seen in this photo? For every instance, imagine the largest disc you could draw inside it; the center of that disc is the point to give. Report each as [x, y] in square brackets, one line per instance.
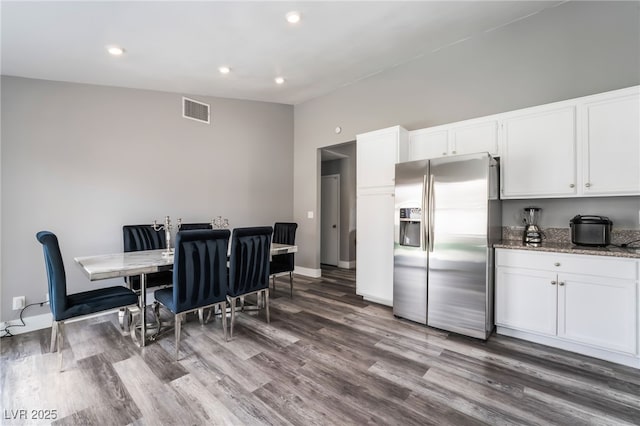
[220, 223]
[167, 233]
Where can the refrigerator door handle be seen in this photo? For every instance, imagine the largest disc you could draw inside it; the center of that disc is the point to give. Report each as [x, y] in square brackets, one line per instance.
[424, 237]
[431, 213]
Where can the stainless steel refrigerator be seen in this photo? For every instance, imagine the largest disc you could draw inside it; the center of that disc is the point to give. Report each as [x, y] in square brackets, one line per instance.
[447, 217]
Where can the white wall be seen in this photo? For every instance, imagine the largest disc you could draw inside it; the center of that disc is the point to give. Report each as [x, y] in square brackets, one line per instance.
[82, 161]
[575, 49]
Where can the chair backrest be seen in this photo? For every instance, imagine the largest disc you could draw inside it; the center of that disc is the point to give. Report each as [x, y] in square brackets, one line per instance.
[200, 268]
[142, 237]
[192, 226]
[284, 233]
[55, 273]
[249, 262]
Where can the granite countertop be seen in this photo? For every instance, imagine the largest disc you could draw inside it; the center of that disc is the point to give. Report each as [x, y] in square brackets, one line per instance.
[564, 247]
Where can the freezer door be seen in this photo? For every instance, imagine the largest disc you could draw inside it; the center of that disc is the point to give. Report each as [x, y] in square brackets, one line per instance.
[458, 249]
[410, 259]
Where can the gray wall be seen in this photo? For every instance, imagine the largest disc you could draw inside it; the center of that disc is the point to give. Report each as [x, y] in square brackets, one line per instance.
[556, 213]
[346, 168]
[575, 49]
[83, 160]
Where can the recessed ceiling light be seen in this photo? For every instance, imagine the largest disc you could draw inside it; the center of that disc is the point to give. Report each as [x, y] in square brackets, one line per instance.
[293, 17]
[115, 50]
[279, 80]
[224, 70]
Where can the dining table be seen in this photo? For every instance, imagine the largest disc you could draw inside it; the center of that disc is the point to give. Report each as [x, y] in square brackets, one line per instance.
[141, 263]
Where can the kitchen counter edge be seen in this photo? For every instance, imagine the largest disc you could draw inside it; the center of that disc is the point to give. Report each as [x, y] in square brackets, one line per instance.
[633, 253]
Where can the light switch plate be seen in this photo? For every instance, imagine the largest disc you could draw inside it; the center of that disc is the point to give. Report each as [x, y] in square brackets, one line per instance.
[310, 214]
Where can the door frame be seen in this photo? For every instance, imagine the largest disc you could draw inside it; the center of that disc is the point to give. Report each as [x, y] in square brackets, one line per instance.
[338, 239]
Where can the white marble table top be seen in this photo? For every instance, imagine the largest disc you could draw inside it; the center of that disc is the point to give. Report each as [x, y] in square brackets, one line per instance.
[116, 265]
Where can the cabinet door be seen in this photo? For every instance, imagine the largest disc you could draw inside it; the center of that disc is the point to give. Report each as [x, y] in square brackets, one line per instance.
[598, 311]
[424, 145]
[479, 137]
[539, 154]
[377, 155]
[611, 147]
[526, 300]
[374, 248]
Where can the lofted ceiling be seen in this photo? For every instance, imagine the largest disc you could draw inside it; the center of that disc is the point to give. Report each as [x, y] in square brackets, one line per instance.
[179, 46]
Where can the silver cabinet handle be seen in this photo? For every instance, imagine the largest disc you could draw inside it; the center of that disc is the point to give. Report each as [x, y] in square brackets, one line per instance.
[556, 264]
[571, 185]
[588, 185]
[444, 153]
[453, 152]
[553, 283]
[560, 283]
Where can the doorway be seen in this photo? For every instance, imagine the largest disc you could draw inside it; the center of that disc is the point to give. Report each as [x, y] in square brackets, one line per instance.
[337, 161]
[330, 220]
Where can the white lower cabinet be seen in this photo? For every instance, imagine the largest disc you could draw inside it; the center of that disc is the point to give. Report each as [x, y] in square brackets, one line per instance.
[525, 300]
[587, 304]
[374, 248]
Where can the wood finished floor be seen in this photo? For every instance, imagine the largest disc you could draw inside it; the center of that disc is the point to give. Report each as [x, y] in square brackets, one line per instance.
[328, 357]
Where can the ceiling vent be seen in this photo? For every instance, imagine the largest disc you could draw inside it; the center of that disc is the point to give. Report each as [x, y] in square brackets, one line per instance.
[195, 110]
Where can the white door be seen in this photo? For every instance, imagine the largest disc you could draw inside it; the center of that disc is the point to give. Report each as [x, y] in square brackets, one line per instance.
[377, 155]
[612, 147]
[374, 248]
[526, 300]
[472, 138]
[598, 311]
[539, 154]
[428, 144]
[330, 220]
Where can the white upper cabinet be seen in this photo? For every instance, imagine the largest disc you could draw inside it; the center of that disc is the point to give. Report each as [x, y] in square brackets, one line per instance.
[377, 155]
[581, 147]
[466, 137]
[611, 146]
[428, 143]
[539, 153]
[475, 137]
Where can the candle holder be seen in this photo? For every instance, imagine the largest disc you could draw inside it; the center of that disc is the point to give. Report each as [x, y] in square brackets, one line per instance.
[167, 233]
[220, 223]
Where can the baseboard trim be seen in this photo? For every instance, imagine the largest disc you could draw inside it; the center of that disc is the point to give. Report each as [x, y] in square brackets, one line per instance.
[375, 299]
[308, 272]
[347, 264]
[36, 322]
[618, 358]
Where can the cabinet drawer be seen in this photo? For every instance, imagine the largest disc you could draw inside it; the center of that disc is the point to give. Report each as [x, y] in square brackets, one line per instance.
[569, 263]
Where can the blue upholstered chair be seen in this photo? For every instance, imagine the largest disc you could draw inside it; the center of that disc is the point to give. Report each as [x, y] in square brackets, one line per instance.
[66, 306]
[199, 276]
[249, 266]
[144, 237]
[283, 233]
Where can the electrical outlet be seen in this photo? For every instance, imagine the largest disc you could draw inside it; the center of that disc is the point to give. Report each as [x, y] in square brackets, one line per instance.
[19, 302]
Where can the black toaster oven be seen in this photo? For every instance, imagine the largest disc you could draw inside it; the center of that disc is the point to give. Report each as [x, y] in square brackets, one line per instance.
[591, 230]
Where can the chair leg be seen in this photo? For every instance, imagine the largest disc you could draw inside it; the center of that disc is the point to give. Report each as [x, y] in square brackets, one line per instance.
[54, 335]
[223, 311]
[178, 322]
[133, 324]
[291, 284]
[266, 303]
[242, 303]
[233, 316]
[274, 284]
[201, 316]
[60, 340]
